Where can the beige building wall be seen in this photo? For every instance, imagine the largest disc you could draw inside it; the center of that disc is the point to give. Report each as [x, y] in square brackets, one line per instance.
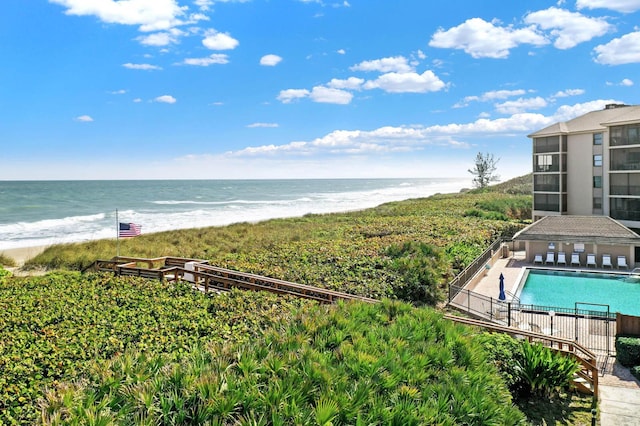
[580, 174]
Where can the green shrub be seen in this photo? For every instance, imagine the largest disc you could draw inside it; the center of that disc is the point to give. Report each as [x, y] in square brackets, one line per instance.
[417, 265]
[530, 369]
[544, 372]
[54, 327]
[4, 274]
[354, 363]
[636, 371]
[6, 261]
[628, 350]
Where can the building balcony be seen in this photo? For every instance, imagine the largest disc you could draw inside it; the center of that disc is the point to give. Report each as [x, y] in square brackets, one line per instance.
[625, 190]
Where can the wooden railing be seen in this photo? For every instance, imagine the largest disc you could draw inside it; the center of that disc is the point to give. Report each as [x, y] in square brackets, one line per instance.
[586, 358]
[207, 278]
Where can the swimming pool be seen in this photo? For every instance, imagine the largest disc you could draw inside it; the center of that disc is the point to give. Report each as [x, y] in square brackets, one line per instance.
[565, 288]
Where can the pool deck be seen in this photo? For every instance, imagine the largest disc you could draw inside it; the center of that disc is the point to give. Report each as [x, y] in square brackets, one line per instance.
[619, 402]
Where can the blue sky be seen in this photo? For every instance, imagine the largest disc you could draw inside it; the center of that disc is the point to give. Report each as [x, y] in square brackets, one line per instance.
[106, 89]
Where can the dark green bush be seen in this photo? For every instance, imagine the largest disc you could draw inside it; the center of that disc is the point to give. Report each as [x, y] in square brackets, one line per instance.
[628, 350]
[350, 364]
[530, 369]
[417, 265]
[636, 371]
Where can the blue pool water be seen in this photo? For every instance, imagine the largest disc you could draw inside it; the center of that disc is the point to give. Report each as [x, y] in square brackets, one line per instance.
[563, 289]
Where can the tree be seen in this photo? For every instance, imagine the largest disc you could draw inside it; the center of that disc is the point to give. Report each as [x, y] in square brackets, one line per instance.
[484, 170]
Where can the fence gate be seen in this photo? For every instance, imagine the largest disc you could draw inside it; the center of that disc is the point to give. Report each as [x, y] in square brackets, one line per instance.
[594, 327]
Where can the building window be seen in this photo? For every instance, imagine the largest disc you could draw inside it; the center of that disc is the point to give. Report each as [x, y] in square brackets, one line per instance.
[546, 202]
[597, 138]
[625, 135]
[625, 208]
[625, 159]
[597, 181]
[597, 203]
[625, 184]
[597, 160]
[548, 144]
[546, 183]
[547, 163]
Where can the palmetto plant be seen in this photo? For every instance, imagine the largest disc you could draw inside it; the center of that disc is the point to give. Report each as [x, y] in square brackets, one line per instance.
[544, 372]
[351, 364]
[530, 368]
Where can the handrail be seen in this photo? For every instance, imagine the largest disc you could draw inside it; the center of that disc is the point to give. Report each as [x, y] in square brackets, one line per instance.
[513, 297]
[278, 282]
[583, 355]
[206, 276]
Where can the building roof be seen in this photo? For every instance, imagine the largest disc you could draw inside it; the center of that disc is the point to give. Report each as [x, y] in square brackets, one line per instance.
[578, 229]
[593, 121]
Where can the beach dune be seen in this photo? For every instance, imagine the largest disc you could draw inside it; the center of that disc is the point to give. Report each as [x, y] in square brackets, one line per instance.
[22, 254]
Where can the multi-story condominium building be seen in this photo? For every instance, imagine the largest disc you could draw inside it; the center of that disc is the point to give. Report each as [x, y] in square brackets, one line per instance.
[590, 166]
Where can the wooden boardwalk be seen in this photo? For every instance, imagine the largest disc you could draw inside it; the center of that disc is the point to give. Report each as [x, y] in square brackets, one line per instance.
[207, 278]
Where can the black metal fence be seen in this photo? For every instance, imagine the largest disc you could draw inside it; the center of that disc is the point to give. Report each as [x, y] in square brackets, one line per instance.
[593, 326]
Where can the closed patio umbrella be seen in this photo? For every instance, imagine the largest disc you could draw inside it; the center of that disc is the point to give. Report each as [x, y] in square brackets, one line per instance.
[502, 295]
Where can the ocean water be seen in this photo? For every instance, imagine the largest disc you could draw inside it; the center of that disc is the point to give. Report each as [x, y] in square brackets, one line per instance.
[36, 213]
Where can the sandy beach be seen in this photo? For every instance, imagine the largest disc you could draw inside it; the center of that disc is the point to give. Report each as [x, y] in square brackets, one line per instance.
[22, 254]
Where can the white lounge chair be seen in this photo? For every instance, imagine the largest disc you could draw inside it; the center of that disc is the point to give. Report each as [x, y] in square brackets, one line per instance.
[575, 259]
[537, 259]
[551, 258]
[591, 260]
[606, 261]
[562, 258]
[622, 262]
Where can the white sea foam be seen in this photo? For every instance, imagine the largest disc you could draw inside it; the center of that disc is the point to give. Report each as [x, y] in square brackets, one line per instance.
[171, 214]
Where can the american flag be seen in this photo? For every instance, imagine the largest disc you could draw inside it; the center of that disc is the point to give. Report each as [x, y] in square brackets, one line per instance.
[129, 230]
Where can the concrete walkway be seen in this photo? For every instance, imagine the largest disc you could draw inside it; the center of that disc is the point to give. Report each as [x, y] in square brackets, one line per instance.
[619, 402]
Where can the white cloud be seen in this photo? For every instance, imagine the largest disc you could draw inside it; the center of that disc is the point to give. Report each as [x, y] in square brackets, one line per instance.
[568, 112]
[392, 64]
[270, 60]
[330, 95]
[408, 82]
[521, 105]
[145, 67]
[203, 5]
[415, 138]
[150, 15]
[490, 96]
[341, 51]
[482, 39]
[626, 82]
[166, 99]
[352, 83]
[399, 138]
[568, 92]
[161, 39]
[623, 50]
[568, 28]
[216, 58]
[137, 100]
[262, 125]
[84, 119]
[118, 92]
[219, 41]
[289, 95]
[624, 6]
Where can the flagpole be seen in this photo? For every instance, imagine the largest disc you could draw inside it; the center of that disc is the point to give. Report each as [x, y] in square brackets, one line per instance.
[117, 235]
